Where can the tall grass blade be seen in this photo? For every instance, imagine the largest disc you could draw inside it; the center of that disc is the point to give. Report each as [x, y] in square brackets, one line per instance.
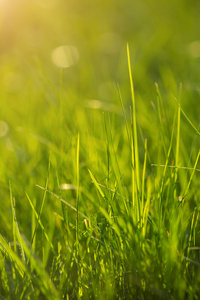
[77, 206]
[115, 165]
[44, 281]
[187, 118]
[12, 201]
[77, 183]
[16, 231]
[33, 227]
[135, 154]
[146, 207]
[13, 257]
[40, 222]
[43, 199]
[107, 150]
[160, 118]
[124, 114]
[177, 143]
[96, 184]
[190, 180]
[143, 174]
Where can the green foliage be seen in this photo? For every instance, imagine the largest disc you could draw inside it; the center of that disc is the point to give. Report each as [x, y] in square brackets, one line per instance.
[99, 167]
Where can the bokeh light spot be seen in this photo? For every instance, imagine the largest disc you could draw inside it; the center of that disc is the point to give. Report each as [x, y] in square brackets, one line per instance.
[96, 104]
[194, 49]
[65, 56]
[3, 128]
[67, 186]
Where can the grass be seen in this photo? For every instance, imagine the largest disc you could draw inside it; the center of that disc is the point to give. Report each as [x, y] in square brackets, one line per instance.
[99, 167]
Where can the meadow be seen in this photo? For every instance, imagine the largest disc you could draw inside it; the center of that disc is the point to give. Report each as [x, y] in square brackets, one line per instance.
[99, 149]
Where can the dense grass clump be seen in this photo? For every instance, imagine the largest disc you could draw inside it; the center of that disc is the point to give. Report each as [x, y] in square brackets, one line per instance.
[99, 167]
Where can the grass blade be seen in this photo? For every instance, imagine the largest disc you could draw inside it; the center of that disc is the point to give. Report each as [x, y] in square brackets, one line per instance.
[136, 155]
[64, 201]
[143, 175]
[40, 222]
[190, 180]
[16, 231]
[96, 184]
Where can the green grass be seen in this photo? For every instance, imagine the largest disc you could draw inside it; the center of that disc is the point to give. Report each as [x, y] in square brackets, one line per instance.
[99, 165]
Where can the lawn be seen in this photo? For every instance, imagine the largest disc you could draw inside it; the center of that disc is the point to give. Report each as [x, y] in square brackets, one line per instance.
[99, 149]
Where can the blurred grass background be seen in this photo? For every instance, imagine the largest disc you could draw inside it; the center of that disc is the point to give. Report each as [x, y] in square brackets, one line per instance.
[43, 106]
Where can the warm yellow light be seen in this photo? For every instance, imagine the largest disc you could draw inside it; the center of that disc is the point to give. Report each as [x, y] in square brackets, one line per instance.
[3, 5]
[46, 3]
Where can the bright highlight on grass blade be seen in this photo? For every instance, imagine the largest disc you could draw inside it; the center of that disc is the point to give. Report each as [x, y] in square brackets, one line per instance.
[175, 167]
[65, 56]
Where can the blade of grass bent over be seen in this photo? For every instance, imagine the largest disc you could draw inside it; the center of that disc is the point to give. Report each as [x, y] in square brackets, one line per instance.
[65, 202]
[43, 200]
[175, 167]
[39, 222]
[42, 278]
[13, 257]
[187, 118]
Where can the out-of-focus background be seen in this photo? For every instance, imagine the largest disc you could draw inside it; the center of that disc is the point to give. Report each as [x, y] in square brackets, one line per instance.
[60, 63]
[163, 37]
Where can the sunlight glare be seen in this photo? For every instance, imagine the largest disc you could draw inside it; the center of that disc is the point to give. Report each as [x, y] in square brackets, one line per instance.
[3, 6]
